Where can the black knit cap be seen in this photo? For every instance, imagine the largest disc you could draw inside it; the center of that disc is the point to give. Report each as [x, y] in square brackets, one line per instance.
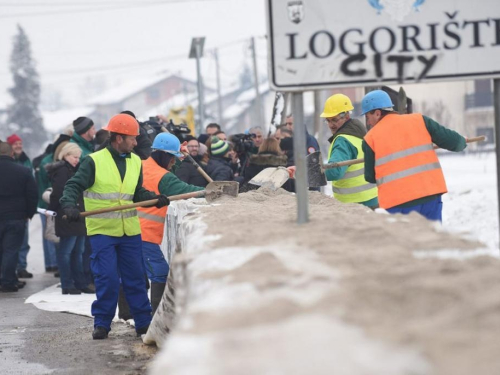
[82, 125]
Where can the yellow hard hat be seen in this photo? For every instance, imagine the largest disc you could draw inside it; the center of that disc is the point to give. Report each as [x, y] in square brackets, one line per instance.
[336, 104]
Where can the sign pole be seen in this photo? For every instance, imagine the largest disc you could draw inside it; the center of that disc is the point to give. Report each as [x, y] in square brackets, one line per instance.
[196, 52]
[496, 104]
[299, 153]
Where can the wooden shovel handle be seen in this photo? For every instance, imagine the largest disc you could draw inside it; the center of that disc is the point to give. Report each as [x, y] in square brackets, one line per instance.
[361, 160]
[200, 170]
[476, 139]
[194, 194]
[150, 202]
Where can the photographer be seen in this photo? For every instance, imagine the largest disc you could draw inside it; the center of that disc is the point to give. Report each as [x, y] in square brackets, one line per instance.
[243, 148]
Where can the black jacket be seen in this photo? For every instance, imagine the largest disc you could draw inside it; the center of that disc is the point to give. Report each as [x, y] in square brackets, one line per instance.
[219, 169]
[18, 191]
[188, 173]
[60, 172]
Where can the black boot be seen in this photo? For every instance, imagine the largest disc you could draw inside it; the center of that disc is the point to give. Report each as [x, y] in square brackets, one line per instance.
[23, 274]
[100, 333]
[142, 331]
[157, 290]
[123, 308]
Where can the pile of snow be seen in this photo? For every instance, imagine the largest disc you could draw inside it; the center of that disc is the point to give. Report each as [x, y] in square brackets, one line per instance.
[342, 294]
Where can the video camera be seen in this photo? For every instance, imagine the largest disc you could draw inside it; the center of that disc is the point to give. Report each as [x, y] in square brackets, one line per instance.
[180, 131]
[243, 143]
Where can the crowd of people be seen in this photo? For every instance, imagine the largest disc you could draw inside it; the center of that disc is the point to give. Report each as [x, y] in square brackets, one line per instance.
[116, 253]
[127, 161]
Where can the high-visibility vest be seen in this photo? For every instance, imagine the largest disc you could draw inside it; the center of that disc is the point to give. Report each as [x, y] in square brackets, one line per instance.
[152, 219]
[352, 187]
[108, 191]
[406, 165]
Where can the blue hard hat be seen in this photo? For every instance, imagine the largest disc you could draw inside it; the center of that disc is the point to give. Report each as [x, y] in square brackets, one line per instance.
[376, 99]
[167, 142]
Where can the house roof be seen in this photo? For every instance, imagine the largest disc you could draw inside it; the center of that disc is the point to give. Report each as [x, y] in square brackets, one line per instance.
[57, 121]
[131, 87]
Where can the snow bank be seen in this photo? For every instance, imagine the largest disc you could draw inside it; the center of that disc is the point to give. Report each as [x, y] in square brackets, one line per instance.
[252, 292]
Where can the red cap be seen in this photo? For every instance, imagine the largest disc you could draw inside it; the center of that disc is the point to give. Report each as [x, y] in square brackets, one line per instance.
[13, 139]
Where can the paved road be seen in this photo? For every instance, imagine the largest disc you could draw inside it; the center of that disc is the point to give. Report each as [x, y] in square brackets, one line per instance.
[36, 342]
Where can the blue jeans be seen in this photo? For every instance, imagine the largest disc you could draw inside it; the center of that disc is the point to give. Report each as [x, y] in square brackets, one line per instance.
[22, 264]
[154, 262]
[11, 239]
[69, 261]
[49, 247]
[112, 258]
[431, 210]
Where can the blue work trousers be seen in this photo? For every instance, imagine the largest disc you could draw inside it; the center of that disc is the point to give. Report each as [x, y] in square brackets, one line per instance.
[112, 258]
[49, 247]
[11, 238]
[154, 262]
[69, 260]
[22, 264]
[431, 210]
[87, 272]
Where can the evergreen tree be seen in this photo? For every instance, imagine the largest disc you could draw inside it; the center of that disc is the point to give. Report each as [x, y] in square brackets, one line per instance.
[23, 116]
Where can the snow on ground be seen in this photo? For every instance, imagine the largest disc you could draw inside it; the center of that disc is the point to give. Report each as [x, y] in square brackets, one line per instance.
[471, 205]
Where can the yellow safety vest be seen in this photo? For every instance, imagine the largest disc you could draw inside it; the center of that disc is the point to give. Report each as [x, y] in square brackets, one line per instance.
[352, 187]
[108, 191]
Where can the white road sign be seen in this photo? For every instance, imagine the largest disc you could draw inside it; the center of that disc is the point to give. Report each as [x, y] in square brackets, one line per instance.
[323, 43]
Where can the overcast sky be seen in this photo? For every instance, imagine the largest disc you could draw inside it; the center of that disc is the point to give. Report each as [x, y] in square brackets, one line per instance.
[116, 40]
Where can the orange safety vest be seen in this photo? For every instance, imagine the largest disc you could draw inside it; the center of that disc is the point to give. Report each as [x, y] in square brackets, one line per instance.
[152, 219]
[406, 165]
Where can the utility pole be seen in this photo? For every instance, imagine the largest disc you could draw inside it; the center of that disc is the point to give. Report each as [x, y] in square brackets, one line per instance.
[256, 81]
[299, 147]
[196, 52]
[496, 106]
[317, 111]
[219, 96]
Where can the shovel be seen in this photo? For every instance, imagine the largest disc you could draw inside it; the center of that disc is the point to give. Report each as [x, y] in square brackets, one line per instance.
[231, 186]
[316, 168]
[272, 178]
[211, 193]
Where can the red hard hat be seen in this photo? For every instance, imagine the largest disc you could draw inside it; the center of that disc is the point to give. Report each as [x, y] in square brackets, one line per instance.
[123, 124]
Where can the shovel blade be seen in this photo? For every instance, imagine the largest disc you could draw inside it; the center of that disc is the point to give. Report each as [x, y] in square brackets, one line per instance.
[272, 178]
[216, 189]
[315, 173]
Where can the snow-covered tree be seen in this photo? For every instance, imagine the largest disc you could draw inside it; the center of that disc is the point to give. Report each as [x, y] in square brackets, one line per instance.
[23, 116]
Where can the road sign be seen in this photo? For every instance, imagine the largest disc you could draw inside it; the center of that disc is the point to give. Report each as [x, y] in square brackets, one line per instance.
[196, 50]
[317, 44]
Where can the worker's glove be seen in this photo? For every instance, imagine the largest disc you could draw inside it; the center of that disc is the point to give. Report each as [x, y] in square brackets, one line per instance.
[162, 201]
[291, 171]
[72, 214]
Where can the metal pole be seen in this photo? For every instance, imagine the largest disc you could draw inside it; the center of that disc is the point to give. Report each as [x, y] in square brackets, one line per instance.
[317, 112]
[260, 122]
[496, 103]
[299, 153]
[201, 106]
[219, 96]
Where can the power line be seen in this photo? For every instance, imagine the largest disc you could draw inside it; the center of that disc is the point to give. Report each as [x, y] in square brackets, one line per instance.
[109, 6]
